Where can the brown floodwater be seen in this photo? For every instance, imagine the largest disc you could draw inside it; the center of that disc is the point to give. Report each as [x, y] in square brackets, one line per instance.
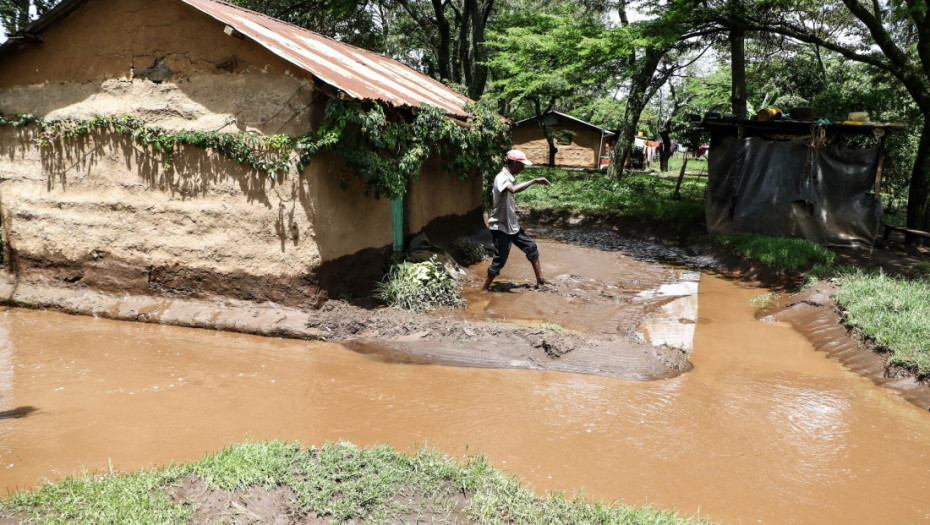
[763, 430]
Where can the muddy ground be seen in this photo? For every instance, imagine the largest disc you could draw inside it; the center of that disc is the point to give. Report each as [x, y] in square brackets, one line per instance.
[592, 313]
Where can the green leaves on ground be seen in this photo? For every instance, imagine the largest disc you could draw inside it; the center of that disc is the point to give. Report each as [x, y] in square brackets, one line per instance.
[640, 195]
[416, 287]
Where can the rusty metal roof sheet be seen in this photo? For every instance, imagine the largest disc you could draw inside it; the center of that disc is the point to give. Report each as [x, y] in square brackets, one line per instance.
[359, 73]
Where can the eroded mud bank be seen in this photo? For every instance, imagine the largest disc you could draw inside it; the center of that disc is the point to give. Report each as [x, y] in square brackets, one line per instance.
[590, 318]
[815, 314]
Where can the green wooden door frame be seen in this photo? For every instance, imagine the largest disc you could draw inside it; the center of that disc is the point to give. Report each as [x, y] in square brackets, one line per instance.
[397, 223]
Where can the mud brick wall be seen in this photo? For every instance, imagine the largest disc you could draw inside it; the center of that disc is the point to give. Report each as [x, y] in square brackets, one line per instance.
[106, 213]
[581, 153]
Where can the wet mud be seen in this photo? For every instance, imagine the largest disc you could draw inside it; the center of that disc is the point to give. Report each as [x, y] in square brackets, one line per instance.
[815, 314]
[584, 320]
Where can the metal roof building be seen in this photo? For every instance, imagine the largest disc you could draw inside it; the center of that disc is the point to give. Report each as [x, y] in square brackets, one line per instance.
[359, 73]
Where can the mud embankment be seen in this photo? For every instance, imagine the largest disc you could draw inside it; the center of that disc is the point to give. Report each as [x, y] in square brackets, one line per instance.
[392, 334]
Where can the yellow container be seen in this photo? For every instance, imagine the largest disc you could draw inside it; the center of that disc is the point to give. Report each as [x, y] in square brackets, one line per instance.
[859, 116]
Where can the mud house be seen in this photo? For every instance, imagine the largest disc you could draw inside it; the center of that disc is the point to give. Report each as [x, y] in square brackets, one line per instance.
[580, 144]
[103, 212]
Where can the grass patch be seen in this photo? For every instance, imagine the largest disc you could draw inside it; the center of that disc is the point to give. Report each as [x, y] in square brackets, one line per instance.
[638, 195]
[778, 252]
[894, 312]
[418, 287]
[339, 482]
[763, 300]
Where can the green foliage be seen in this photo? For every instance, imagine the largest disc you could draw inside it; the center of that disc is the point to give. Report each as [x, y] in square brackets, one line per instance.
[113, 499]
[542, 58]
[778, 252]
[416, 287]
[17, 14]
[895, 313]
[763, 300]
[386, 155]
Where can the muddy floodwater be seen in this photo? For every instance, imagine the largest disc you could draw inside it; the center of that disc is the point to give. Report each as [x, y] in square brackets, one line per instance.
[763, 430]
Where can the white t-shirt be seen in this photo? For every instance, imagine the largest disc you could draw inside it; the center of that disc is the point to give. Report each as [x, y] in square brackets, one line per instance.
[504, 215]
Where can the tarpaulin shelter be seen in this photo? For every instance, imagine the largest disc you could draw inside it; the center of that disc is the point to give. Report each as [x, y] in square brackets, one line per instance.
[795, 179]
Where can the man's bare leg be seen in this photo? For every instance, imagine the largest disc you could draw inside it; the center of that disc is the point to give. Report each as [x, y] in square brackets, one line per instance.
[487, 283]
[538, 271]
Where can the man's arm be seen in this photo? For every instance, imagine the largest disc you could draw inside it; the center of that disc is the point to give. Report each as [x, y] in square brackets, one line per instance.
[517, 188]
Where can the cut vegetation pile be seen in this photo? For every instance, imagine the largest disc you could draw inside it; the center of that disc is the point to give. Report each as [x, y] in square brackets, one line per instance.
[339, 483]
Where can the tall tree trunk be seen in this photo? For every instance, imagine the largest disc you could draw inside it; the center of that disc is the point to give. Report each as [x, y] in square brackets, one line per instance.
[635, 103]
[479, 20]
[666, 152]
[546, 129]
[918, 197]
[464, 43]
[738, 65]
[444, 53]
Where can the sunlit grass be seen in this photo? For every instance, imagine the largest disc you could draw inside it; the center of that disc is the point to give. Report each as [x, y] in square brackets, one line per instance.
[340, 483]
[894, 312]
[777, 252]
[639, 196]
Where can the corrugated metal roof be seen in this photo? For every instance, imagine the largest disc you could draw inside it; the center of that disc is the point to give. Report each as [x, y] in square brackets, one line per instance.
[359, 73]
[607, 132]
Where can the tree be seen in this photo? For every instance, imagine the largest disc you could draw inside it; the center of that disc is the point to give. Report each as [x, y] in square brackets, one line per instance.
[543, 61]
[363, 23]
[17, 14]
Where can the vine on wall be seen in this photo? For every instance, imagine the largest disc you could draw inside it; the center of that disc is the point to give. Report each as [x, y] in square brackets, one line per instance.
[384, 154]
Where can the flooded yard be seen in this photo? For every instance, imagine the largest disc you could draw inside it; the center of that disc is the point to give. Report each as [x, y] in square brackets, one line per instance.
[763, 429]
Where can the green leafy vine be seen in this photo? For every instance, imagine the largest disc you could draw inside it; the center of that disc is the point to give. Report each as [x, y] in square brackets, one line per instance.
[384, 154]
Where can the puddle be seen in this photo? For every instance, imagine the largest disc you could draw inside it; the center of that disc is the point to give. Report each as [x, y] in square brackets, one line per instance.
[763, 430]
[590, 290]
[673, 323]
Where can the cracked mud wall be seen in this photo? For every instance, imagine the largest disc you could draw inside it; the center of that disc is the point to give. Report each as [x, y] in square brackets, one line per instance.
[105, 213]
[93, 61]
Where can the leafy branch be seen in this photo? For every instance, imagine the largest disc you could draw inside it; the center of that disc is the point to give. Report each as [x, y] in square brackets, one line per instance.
[385, 154]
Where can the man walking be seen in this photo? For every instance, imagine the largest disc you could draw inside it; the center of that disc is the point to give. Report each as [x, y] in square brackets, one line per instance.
[503, 219]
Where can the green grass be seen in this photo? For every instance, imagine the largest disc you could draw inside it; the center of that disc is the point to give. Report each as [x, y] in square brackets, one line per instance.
[639, 195]
[894, 312]
[777, 252]
[340, 482]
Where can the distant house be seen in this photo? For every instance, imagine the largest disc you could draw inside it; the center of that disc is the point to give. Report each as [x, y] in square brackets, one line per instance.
[580, 144]
[104, 213]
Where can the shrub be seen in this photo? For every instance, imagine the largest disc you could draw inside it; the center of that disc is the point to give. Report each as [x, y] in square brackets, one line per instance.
[417, 287]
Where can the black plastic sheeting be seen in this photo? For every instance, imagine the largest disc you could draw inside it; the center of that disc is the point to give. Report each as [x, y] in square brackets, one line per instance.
[789, 189]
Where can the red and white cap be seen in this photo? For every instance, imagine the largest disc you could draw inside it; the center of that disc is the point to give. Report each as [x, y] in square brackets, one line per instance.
[516, 155]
